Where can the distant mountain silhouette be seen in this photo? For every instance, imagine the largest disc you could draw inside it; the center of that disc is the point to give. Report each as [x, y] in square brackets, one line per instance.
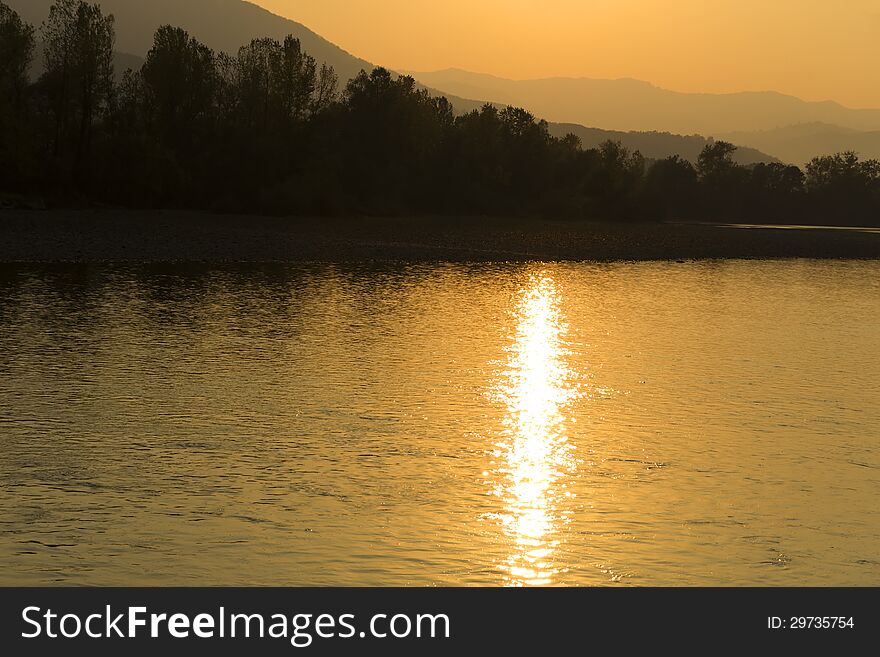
[122, 61]
[224, 25]
[655, 145]
[228, 24]
[798, 144]
[634, 105]
[274, 138]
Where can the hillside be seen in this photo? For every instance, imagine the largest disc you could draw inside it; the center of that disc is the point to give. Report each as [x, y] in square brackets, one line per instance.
[634, 105]
[222, 24]
[122, 61]
[800, 143]
[655, 145]
[227, 24]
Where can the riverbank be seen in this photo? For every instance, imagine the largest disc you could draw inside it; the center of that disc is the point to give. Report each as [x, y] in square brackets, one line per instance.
[160, 236]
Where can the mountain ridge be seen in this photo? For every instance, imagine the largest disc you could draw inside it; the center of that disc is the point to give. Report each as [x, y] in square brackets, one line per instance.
[630, 104]
[233, 23]
[656, 145]
[799, 143]
[223, 25]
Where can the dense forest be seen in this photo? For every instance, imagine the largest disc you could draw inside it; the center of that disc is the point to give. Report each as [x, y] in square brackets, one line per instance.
[269, 130]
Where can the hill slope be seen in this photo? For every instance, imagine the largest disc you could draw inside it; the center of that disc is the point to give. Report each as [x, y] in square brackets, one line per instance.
[222, 24]
[122, 61]
[227, 24]
[800, 143]
[635, 105]
[655, 145]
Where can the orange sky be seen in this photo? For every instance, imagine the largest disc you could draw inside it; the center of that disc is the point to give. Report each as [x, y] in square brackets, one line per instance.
[814, 49]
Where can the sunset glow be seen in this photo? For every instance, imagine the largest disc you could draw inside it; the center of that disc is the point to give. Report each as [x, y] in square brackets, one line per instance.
[812, 49]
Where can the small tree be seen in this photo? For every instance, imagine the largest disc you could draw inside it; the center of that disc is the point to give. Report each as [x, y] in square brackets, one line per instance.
[180, 83]
[294, 80]
[716, 160]
[326, 89]
[670, 187]
[842, 188]
[724, 183]
[279, 86]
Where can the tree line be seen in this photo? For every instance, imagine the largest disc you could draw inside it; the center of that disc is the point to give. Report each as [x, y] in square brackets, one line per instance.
[269, 130]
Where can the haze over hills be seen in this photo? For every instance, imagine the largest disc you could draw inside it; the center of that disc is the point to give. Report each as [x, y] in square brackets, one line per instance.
[627, 104]
[225, 25]
[784, 127]
[655, 145]
[122, 61]
[799, 143]
[221, 24]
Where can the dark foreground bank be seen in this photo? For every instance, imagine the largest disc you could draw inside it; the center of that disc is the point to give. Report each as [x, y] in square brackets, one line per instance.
[122, 236]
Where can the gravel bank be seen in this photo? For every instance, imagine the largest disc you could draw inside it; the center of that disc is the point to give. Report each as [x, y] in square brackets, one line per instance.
[126, 236]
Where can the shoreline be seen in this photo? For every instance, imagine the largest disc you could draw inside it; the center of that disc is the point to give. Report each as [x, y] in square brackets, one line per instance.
[97, 236]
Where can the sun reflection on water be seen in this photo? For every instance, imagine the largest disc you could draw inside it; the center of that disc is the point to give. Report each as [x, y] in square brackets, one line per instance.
[534, 455]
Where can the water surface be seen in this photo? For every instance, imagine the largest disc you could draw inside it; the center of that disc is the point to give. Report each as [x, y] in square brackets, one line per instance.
[708, 423]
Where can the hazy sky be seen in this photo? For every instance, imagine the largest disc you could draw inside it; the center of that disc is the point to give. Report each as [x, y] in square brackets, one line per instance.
[815, 49]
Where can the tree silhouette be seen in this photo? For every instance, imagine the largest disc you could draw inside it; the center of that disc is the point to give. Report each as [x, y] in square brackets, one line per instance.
[845, 189]
[78, 41]
[670, 188]
[266, 130]
[16, 53]
[179, 86]
[716, 160]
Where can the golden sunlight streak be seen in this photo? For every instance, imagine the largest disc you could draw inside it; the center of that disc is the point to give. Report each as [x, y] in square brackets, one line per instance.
[534, 455]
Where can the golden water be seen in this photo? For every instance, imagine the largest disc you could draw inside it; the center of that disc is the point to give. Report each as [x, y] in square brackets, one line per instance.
[508, 424]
